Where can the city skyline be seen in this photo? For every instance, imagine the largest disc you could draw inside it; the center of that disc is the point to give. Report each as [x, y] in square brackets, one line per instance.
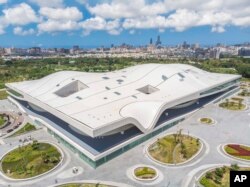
[63, 23]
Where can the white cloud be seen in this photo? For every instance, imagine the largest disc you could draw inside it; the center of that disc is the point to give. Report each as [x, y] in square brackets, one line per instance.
[98, 23]
[48, 3]
[21, 32]
[178, 15]
[68, 13]
[126, 9]
[3, 1]
[53, 26]
[21, 14]
[218, 29]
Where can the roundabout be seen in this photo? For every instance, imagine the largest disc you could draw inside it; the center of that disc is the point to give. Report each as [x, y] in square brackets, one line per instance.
[174, 149]
[207, 121]
[30, 161]
[233, 104]
[219, 176]
[145, 174]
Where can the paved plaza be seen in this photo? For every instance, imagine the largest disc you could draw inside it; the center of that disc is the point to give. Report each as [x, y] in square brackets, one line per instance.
[231, 127]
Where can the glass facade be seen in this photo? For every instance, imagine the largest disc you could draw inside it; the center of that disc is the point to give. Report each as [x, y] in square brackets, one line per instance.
[218, 88]
[118, 152]
[13, 92]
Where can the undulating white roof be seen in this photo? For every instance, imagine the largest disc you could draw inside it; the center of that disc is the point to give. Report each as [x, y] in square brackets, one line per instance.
[105, 98]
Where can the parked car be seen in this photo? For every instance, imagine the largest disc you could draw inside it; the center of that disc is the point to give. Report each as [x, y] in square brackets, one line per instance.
[10, 130]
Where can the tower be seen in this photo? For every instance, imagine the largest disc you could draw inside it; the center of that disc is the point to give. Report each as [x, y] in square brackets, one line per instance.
[158, 41]
[151, 41]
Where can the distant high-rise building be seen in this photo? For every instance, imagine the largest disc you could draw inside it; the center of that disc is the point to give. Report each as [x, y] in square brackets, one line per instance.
[76, 48]
[151, 41]
[158, 41]
[244, 52]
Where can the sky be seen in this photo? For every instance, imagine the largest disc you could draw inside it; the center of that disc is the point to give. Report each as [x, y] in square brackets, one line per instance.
[92, 23]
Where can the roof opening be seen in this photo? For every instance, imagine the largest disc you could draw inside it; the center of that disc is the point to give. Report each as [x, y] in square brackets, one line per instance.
[78, 97]
[148, 89]
[120, 80]
[117, 93]
[71, 88]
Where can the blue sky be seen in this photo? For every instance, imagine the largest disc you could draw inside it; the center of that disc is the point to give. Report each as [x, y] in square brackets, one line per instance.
[63, 23]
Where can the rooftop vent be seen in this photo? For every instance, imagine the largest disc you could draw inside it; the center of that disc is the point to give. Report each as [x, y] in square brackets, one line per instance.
[107, 88]
[148, 89]
[78, 97]
[120, 80]
[71, 88]
[105, 78]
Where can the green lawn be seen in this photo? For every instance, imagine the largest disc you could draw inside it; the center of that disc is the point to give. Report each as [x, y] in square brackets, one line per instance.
[208, 121]
[27, 128]
[145, 173]
[84, 185]
[218, 177]
[174, 148]
[30, 160]
[2, 121]
[231, 105]
[3, 95]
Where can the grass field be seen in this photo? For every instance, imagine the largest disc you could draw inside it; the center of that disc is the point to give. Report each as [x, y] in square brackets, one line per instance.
[174, 148]
[27, 128]
[145, 173]
[3, 95]
[208, 121]
[30, 160]
[2, 121]
[231, 105]
[218, 177]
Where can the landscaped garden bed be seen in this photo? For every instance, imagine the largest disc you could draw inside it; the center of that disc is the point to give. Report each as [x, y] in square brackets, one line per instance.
[145, 173]
[27, 128]
[244, 93]
[233, 105]
[3, 94]
[30, 160]
[2, 121]
[220, 176]
[207, 121]
[238, 151]
[174, 148]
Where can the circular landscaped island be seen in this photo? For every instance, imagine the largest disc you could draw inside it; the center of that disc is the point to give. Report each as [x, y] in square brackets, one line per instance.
[238, 151]
[207, 121]
[233, 104]
[30, 160]
[244, 93]
[2, 121]
[220, 176]
[174, 148]
[145, 173]
[84, 185]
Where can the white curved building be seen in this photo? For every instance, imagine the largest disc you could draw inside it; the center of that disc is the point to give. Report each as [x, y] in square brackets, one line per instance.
[107, 105]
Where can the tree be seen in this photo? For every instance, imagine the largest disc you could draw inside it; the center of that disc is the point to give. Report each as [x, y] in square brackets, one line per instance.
[234, 167]
[209, 175]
